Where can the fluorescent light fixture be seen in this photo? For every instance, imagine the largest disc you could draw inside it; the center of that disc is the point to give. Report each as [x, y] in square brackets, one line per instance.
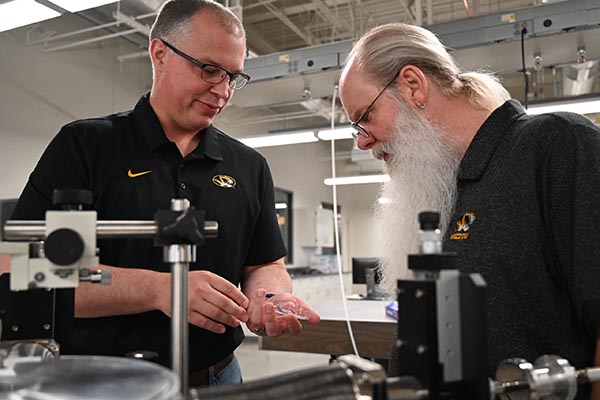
[78, 5]
[336, 134]
[280, 206]
[354, 180]
[280, 139]
[18, 13]
[589, 106]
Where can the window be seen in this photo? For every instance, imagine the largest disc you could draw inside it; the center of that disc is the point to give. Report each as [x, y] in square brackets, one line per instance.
[284, 210]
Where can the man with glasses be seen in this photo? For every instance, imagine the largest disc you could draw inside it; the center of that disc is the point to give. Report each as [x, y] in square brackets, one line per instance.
[137, 161]
[518, 194]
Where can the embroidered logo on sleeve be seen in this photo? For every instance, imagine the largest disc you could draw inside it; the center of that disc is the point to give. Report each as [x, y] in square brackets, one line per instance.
[462, 226]
[224, 181]
[132, 174]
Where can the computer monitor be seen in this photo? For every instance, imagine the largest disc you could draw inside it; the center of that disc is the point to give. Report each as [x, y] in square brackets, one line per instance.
[362, 264]
[365, 270]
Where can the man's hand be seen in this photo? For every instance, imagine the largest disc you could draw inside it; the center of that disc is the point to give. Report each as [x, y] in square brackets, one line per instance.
[596, 385]
[213, 302]
[4, 264]
[267, 319]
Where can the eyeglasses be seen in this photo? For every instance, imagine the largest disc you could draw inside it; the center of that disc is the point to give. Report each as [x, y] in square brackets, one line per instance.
[356, 125]
[213, 73]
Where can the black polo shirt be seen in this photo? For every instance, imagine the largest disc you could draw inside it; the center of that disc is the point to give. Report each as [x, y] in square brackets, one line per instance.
[527, 218]
[133, 170]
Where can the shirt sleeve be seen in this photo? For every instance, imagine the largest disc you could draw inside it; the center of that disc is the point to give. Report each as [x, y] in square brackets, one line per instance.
[266, 244]
[574, 204]
[62, 166]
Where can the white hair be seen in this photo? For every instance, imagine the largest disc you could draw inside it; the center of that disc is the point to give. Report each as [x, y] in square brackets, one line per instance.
[384, 50]
[423, 167]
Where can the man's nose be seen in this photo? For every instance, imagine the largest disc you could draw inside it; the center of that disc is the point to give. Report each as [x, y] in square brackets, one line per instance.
[222, 89]
[365, 143]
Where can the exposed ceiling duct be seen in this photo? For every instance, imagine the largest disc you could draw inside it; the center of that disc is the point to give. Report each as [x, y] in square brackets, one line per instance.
[276, 97]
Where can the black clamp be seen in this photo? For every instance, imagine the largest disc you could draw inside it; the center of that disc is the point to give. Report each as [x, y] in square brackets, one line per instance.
[179, 227]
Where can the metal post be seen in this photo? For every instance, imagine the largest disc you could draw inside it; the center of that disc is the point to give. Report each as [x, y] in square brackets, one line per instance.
[180, 255]
[179, 316]
[36, 230]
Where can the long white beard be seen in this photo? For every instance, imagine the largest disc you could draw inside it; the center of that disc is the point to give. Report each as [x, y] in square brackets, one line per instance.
[423, 170]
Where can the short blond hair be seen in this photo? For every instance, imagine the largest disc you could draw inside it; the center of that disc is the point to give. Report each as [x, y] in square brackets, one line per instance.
[173, 16]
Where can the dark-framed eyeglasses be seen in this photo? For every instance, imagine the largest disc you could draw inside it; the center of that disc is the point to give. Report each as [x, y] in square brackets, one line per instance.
[213, 73]
[360, 130]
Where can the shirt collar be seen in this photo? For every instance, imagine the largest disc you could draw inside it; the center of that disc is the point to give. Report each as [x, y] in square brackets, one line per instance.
[487, 138]
[210, 144]
[155, 137]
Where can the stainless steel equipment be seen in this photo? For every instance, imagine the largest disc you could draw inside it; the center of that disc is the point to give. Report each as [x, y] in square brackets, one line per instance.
[68, 251]
[87, 377]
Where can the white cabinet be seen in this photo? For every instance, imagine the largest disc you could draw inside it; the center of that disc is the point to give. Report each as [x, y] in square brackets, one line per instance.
[315, 227]
[316, 289]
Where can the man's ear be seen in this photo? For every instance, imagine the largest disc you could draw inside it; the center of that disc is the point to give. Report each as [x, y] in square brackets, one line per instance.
[413, 84]
[157, 52]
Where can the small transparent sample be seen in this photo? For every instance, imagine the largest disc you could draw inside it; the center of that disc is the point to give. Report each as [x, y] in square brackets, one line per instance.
[285, 305]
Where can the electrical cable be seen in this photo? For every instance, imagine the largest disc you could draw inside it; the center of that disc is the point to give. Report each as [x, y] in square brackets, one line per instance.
[336, 227]
[523, 32]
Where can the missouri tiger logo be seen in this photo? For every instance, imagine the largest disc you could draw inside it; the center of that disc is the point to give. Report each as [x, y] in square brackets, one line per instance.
[463, 225]
[224, 181]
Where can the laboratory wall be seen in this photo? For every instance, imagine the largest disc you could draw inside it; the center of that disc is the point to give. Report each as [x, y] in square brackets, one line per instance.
[41, 90]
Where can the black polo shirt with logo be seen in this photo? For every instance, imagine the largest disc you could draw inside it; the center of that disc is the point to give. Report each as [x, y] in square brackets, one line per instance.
[527, 218]
[133, 170]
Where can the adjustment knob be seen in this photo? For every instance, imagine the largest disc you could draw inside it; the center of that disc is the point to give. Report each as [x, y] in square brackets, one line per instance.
[64, 247]
[72, 199]
[429, 220]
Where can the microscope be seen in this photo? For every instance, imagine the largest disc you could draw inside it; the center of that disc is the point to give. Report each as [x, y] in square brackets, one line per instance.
[441, 348]
[59, 253]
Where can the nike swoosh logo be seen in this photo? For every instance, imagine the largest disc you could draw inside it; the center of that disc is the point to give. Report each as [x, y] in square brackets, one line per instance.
[135, 175]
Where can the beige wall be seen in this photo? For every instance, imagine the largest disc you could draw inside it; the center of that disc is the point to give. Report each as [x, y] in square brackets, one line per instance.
[41, 91]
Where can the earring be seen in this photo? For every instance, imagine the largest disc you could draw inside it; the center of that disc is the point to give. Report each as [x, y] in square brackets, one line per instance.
[420, 105]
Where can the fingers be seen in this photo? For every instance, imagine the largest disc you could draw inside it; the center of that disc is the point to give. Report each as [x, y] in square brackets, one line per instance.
[229, 290]
[215, 302]
[256, 321]
[287, 303]
[279, 314]
[271, 324]
[255, 310]
[276, 324]
[4, 264]
[308, 311]
[206, 323]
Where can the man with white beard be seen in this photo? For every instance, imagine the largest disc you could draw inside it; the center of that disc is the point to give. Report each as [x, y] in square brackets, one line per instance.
[423, 172]
[517, 194]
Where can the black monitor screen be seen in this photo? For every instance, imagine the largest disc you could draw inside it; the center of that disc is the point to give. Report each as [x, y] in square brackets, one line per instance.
[360, 265]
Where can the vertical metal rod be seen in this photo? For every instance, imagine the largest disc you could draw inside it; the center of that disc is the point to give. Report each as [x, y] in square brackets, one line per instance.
[179, 323]
[180, 256]
[554, 83]
[429, 12]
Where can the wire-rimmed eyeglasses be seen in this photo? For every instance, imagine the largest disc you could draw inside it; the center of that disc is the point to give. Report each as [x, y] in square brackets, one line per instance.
[213, 73]
[360, 130]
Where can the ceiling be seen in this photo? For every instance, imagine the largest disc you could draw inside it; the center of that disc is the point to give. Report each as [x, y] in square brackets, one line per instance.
[273, 26]
[278, 25]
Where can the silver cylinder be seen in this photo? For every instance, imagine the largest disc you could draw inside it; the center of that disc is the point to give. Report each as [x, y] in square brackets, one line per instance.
[36, 230]
[182, 253]
[592, 374]
[180, 204]
[179, 323]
